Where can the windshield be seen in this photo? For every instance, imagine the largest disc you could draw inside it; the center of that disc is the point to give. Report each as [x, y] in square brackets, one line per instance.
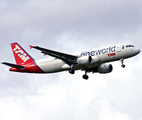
[129, 46]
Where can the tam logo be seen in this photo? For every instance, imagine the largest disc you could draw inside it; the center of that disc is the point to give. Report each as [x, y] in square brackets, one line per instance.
[21, 53]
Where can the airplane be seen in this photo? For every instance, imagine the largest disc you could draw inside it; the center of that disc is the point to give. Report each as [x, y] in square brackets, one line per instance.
[89, 61]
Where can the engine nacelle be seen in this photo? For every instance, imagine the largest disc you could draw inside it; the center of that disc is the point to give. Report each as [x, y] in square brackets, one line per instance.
[105, 68]
[88, 60]
[84, 60]
[94, 59]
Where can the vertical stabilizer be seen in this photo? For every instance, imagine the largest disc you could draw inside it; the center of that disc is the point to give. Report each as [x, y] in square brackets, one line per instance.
[21, 56]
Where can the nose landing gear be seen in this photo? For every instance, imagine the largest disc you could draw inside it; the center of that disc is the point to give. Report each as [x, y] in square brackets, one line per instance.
[85, 76]
[122, 63]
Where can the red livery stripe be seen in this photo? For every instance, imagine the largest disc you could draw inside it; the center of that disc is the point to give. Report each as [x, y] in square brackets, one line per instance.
[30, 68]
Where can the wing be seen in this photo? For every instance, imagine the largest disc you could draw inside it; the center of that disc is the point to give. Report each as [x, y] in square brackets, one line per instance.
[69, 59]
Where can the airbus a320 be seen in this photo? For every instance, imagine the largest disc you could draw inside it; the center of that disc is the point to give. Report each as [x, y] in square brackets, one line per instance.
[89, 61]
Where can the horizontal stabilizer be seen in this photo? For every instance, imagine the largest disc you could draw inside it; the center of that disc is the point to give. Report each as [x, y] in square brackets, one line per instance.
[13, 65]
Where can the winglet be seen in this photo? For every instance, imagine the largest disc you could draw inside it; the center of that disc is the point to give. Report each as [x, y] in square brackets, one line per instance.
[31, 46]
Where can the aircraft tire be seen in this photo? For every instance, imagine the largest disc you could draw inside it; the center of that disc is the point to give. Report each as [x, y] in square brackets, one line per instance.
[71, 71]
[123, 66]
[85, 77]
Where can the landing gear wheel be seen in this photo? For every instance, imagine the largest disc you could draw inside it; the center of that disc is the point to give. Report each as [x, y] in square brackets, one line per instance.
[85, 77]
[123, 65]
[122, 61]
[71, 71]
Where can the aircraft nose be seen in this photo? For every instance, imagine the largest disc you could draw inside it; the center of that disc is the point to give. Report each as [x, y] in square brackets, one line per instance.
[138, 51]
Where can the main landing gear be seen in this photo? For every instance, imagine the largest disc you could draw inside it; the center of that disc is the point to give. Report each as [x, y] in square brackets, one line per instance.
[122, 63]
[85, 76]
[71, 71]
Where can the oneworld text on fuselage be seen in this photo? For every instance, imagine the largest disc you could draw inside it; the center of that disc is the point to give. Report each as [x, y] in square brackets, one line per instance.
[99, 52]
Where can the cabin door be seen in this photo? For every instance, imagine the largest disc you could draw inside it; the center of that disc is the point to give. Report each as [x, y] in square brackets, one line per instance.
[119, 48]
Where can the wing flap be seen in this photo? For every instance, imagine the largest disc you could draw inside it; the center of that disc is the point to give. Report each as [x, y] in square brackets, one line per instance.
[14, 65]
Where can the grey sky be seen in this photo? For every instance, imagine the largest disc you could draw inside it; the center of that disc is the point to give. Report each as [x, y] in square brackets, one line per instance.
[70, 26]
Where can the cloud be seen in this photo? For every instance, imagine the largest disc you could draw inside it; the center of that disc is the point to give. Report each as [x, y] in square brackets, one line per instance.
[106, 110]
[70, 26]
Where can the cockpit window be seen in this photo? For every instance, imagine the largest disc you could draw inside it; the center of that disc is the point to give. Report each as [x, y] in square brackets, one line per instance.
[129, 46]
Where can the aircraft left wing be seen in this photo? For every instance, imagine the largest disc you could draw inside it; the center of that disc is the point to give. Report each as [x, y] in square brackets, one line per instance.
[67, 58]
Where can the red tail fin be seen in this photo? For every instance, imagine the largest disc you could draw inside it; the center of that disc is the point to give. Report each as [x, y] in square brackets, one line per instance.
[21, 56]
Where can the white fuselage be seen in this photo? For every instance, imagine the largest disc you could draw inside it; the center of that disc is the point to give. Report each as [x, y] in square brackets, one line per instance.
[106, 54]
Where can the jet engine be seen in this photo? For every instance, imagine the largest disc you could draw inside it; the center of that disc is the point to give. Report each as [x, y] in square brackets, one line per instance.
[105, 68]
[88, 60]
[84, 60]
